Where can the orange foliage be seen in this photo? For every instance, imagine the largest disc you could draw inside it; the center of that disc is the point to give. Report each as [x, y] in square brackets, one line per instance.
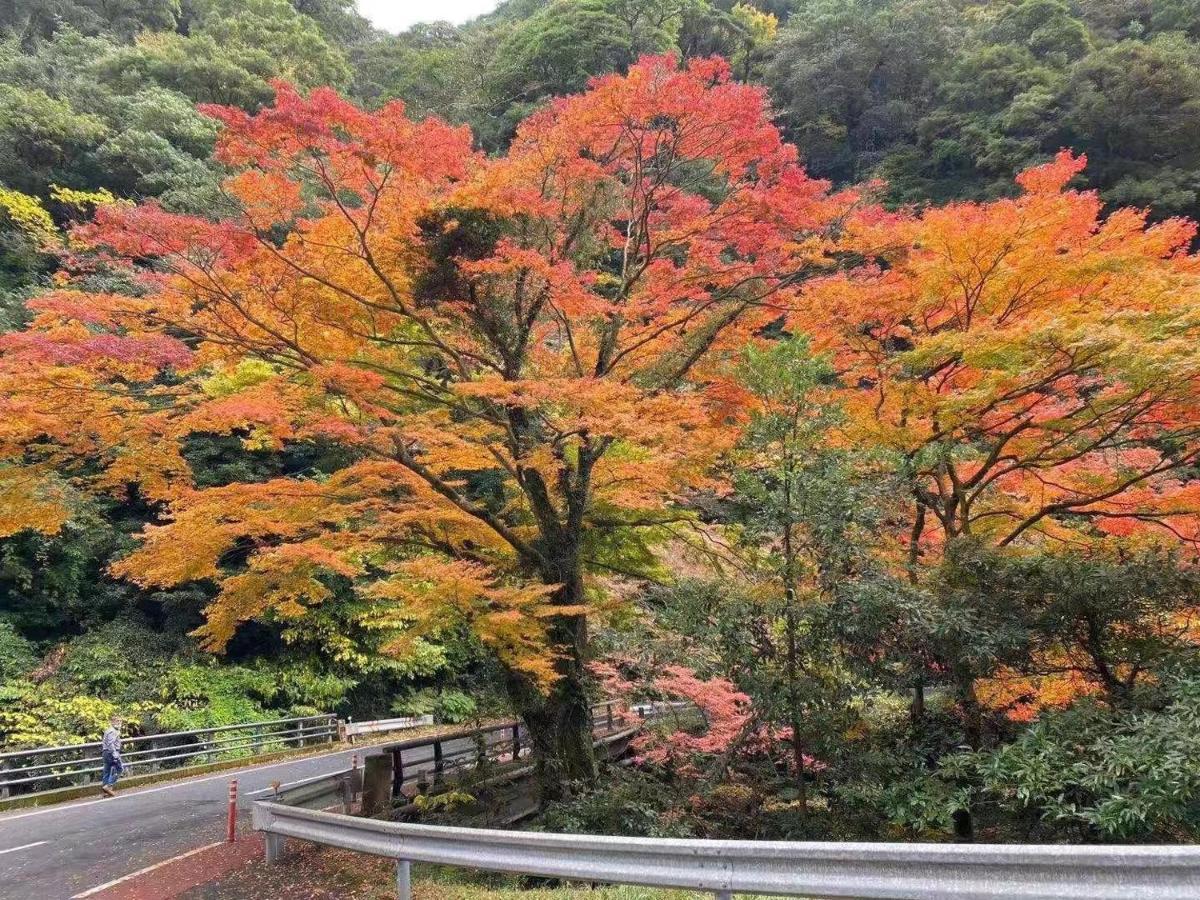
[558, 318]
[1022, 697]
[1033, 366]
[1032, 362]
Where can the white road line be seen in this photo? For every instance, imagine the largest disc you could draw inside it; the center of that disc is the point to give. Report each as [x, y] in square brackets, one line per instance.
[103, 887]
[22, 847]
[175, 785]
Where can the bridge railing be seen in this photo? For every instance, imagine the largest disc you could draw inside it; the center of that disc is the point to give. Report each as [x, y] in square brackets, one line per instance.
[776, 868]
[44, 768]
[323, 791]
[436, 758]
[454, 751]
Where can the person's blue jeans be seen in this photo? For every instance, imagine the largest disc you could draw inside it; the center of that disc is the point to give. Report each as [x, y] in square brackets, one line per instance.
[112, 770]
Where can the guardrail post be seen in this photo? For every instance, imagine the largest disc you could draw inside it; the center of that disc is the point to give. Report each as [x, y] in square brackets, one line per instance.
[724, 895]
[274, 845]
[438, 763]
[608, 707]
[403, 879]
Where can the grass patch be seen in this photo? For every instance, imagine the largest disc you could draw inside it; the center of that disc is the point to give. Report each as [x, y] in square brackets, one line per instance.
[446, 883]
[324, 873]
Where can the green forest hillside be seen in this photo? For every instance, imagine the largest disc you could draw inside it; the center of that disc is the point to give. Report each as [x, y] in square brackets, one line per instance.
[923, 101]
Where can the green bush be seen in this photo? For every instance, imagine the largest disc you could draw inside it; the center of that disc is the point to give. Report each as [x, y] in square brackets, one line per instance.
[631, 803]
[158, 682]
[16, 653]
[454, 707]
[447, 707]
[31, 716]
[1111, 773]
[1093, 772]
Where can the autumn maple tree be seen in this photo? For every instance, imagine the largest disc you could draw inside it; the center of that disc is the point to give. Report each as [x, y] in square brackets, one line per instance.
[521, 358]
[1031, 366]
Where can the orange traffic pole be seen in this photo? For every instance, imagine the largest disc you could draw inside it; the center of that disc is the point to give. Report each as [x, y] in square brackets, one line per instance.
[231, 834]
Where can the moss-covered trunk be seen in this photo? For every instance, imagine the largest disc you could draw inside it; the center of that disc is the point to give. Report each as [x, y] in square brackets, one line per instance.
[559, 717]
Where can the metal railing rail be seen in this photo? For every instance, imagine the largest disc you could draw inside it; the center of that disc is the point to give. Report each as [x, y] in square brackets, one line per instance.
[323, 791]
[491, 743]
[376, 726]
[170, 734]
[775, 868]
[224, 743]
[78, 762]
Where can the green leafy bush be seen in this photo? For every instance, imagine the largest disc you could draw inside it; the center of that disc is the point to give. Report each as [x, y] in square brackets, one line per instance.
[447, 707]
[632, 803]
[31, 716]
[158, 682]
[1110, 772]
[453, 707]
[16, 653]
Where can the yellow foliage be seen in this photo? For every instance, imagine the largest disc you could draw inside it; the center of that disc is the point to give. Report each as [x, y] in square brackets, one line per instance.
[28, 215]
[84, 199]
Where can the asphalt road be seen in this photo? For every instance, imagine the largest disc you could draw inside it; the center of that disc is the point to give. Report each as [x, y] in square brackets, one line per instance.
[60, 851]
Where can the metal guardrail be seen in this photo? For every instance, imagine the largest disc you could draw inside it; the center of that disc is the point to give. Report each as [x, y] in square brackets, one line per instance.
[855, 871]
[323, 792]
[44, 768]
[776, 868]
[351, 730]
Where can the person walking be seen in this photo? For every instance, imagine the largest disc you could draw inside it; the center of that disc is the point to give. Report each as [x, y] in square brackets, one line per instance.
[110, 750]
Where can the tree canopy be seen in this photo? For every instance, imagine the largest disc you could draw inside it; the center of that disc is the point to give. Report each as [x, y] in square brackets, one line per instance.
[828, 365]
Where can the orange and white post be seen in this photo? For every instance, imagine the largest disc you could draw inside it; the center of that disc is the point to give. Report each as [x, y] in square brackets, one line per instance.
[231, 831]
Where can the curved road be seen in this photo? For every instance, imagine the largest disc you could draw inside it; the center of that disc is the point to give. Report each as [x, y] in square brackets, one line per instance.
[60, 851]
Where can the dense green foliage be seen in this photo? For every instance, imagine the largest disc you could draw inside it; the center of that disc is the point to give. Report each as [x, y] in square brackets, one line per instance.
[942, 98]
[949, 98]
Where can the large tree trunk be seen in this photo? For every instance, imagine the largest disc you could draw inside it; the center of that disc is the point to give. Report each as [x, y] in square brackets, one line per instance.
[559, 719]
[561, 734]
